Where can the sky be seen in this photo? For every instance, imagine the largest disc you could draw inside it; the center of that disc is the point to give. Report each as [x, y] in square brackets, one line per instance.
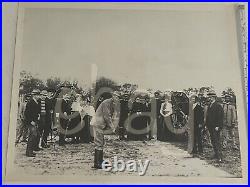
[161, 49]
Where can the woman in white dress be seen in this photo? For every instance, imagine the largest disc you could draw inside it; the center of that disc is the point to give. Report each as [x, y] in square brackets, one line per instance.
[88, 116]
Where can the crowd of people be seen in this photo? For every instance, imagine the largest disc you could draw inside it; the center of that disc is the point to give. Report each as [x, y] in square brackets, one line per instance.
[38, 118]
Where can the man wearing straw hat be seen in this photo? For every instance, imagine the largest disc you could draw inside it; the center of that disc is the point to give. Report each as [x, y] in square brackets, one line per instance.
[104, 121]
[229, 122]
[214, 123]
[32, 115]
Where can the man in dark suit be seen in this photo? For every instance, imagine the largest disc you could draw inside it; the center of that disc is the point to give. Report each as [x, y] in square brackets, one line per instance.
[66, 110]
[32, 115]
[45, 119]
[148, 109]
[123, 115]
[214, 123]
[198, 125]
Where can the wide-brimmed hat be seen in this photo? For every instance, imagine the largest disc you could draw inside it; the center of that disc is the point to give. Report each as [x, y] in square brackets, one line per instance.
[227, 95]
[35, 92]
[27, 96]
[201, 93]
[51, 90]
[212, 93]
[44, 93]
[157, 92]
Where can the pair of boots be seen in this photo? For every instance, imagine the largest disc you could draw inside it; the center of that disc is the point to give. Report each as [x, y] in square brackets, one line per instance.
[98, 159]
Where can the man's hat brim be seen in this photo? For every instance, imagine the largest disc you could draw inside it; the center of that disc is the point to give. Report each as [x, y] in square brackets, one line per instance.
[211, 94]
[35, 92]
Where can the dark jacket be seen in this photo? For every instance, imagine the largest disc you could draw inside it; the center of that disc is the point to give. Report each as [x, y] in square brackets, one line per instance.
[48, 107]
[124, 111]
[32, 111]
[138, 107]
[148, 107]
[66, 107]
[198, 115]
[214, 116]
[158, 106]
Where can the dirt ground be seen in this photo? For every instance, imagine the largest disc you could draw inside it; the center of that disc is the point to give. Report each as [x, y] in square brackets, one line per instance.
[166, 159]
[231, 157]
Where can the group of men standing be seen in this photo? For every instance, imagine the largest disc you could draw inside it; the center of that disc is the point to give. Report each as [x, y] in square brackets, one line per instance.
[38, 119]
[37, 114]
[219, 119]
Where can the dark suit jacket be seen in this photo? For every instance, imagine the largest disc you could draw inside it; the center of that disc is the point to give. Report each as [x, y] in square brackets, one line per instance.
[32, 111]
[66, 107]
[147, 107]
[124, 111]
[214, 117]
[158, 106]
[49, 105]
[198, 115]
[137, 107]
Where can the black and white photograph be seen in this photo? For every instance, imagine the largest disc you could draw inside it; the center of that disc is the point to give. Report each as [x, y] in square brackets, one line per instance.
[128, 93]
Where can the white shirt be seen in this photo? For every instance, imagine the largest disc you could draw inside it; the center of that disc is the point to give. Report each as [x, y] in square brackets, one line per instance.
[76, 106]
[88, 110]
[91, 112]
[194, 105]
[166, 108]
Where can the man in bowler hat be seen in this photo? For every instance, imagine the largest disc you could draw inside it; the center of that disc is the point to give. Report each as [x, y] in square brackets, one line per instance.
[214, 123]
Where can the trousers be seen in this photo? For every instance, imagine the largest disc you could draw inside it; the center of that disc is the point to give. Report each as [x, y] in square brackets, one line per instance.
[44, 129]
[22, 130]
[198, 140]
[32, 139]
[215, 140]
[227, 134]
[98, 137]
